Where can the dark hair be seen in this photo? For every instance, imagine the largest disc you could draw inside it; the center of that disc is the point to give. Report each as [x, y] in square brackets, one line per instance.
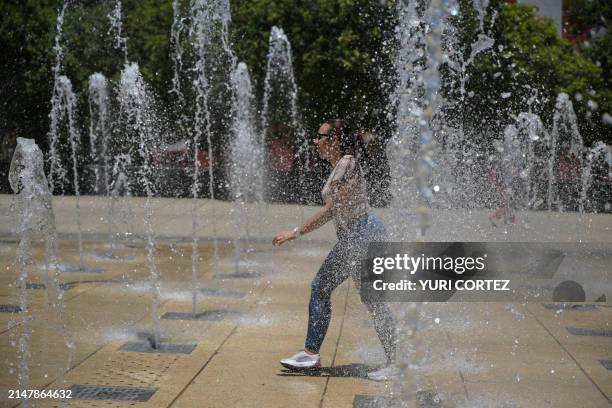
[349, 141]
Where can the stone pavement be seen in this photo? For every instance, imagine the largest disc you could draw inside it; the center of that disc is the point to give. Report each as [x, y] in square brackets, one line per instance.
[477, 354]
[173, 218]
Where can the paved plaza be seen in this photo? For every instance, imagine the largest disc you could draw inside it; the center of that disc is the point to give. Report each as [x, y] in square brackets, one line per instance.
[477, 354]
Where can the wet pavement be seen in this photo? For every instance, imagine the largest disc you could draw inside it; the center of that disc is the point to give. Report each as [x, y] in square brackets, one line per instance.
[475, 354]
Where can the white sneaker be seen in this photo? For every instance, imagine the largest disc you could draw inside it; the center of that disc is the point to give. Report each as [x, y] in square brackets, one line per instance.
[302, 360]
[384, 374]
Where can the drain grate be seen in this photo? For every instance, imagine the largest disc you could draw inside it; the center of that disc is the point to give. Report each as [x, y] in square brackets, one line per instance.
[571, 306]
[111, 257]
[10, 309]
[78, 269]
[68, 285]
[129, 369]
[215, 315]
[42, 286]
[607, 364]
[425, 399]
[221, 293]
[9, 241]
[114, 393]
[578, 331]
[238, 275]
[147, 347]
[372, 401]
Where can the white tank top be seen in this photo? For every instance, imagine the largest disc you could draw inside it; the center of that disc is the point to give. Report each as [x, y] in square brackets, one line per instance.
[347, 189]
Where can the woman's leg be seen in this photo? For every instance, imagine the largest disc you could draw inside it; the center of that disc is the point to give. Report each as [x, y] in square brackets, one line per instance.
[384, 323]
[331, 274]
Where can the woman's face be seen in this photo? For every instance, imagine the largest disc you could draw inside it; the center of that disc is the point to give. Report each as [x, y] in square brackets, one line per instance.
[325, 144]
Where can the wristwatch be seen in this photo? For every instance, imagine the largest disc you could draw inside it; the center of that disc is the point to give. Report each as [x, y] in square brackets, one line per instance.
[296, 232]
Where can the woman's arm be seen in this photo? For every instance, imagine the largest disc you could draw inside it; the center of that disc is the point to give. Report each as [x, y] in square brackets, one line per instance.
[322, 215]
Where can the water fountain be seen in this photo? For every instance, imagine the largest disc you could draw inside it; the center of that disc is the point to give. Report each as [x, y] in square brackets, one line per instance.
[119, 192]
[531, 131]
[408, 105]
[120, 187]
[201, 31]
[137, 115]
[598, 163]
[527, 154]
[176, 31]
[99, 130]
[36, 222]
[247, 156]
[567, 150]
[64, 109]
[113, 181]
[56, 169]
[280, 103]
[524, 153]
[199, 71]
[457, 154]
[416, 100]
[513, 170]
[116, 30]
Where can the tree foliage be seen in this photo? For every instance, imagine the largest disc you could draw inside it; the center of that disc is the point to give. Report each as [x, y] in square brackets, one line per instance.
[343, 56]
[339, 47]
[529, 59]
[26, 34]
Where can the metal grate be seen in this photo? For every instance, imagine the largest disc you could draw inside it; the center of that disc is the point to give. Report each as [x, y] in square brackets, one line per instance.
[129, 369]
[214, 315]
[425, 399]
[578, 331]
[42, 286]
[221, 293]
[68, 285]
[112, 257]
[571, 306]
[371, 401]
[79, 269]
[10, 309]
[238, 275]
[114, 393]
[607, 364]
[147, 347]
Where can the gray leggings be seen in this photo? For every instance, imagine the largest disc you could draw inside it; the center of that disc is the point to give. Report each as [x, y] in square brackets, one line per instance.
[343, 261]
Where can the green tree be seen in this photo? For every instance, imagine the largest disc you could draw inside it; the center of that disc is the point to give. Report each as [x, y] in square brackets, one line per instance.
[340, 52]
[26, 34]
[589, 26]
[528, 56]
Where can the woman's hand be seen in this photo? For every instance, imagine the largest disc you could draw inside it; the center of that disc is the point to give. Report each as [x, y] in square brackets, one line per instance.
[283, 237]
[323, 215]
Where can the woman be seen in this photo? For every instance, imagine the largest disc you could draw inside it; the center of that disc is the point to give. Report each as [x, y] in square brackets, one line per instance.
[346, 201]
